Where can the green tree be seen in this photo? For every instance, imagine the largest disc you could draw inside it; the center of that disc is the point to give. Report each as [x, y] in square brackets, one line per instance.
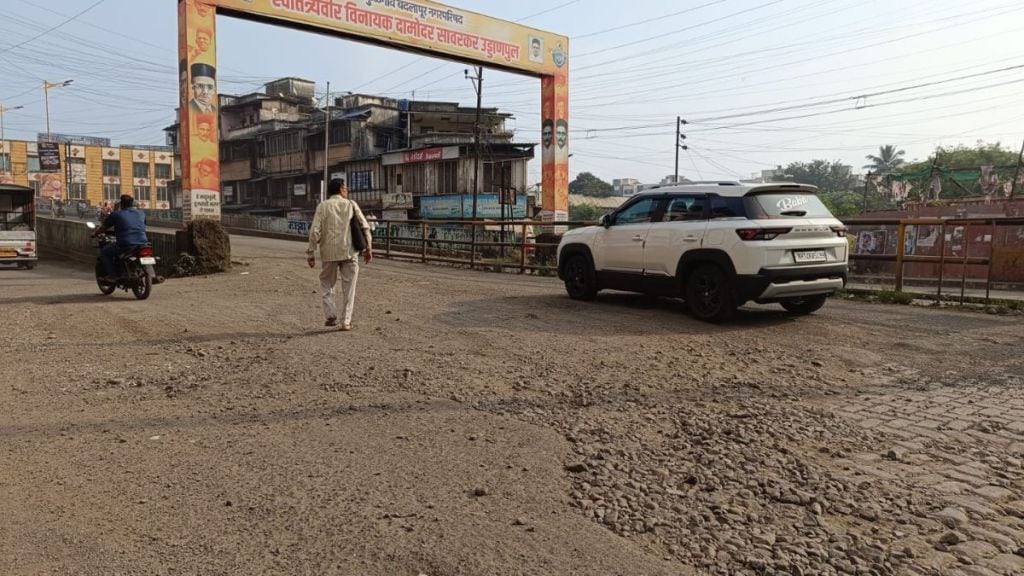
[586, 212]
[586, 184]
[828, 176]
[887, 160]
[959, 162]
[966, 157]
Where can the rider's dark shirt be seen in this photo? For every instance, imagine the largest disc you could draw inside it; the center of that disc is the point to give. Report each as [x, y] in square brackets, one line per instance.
[129, 226]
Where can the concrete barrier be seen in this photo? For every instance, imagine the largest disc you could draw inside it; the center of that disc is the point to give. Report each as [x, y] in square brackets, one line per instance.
[72, 240]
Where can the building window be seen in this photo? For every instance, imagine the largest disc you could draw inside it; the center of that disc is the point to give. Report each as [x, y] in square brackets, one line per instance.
[5, 162]
[360, 180]
[162, 195]
[447, 177]
[112, 192]
[340, 133]
[283, 143]
[33, 163]
[76, 191]
[497, 176]
[141, 193]
[163, 171]
[112, 168]
[140, 170]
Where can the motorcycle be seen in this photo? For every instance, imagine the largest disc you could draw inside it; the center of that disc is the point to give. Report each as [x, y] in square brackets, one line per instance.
[138, 273]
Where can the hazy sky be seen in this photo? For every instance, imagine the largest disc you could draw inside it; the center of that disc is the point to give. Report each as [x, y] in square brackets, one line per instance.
[761, 82]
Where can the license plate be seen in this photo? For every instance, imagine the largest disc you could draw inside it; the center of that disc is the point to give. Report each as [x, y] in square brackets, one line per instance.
[147, 261]
[8, 253]
[810, 256]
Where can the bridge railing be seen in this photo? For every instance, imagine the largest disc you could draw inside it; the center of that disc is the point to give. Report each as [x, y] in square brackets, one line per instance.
[938, 251]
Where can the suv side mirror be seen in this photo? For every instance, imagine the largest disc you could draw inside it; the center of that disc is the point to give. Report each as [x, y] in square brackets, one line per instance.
[606, 220]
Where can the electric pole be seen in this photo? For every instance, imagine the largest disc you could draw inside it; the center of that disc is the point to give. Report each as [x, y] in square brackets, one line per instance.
[679, 144]
[478, 85]
[327, 138]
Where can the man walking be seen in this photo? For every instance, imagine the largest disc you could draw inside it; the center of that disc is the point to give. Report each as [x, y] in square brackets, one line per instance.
[331, 233]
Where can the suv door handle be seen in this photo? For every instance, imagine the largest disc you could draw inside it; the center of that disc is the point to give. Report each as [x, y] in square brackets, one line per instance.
[690, 238]
[638, 238]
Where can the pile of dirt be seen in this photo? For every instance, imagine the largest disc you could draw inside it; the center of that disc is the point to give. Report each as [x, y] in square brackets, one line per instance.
[210, 244]
[207, 249]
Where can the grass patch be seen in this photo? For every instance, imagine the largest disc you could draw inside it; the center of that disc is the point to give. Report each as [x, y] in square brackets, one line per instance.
[894, 297]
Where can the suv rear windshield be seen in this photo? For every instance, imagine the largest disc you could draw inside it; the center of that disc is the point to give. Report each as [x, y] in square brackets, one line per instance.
[787, 205]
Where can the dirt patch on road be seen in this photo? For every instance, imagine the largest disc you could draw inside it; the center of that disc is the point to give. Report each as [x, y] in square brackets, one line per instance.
[475, 424]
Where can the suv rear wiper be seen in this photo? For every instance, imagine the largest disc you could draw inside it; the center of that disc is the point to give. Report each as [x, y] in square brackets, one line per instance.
[794, 213]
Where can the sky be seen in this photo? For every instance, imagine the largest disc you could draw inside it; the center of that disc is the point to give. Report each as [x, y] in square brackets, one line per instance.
[760, 83]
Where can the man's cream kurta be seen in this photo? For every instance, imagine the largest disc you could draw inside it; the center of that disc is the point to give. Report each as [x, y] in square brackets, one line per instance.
[330, 230]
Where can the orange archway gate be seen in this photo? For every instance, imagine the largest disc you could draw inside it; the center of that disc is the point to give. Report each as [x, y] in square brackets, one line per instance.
[418, 26]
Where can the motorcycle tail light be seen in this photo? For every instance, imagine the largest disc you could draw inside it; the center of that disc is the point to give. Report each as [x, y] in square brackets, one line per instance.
[146, 253]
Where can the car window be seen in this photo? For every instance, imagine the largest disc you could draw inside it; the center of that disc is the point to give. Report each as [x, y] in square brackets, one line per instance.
[685, 208]
[638, 213]
[727, 207]
[787, 205]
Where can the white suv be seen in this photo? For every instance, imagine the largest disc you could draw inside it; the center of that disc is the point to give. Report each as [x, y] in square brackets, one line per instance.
[716, 245]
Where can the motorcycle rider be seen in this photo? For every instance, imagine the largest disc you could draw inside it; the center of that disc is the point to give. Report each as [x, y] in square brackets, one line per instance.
[129, 225]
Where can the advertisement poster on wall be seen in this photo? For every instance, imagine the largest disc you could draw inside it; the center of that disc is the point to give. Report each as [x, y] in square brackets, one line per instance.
[910, 240]
[871, 242]
[461, 206]
[49, 156]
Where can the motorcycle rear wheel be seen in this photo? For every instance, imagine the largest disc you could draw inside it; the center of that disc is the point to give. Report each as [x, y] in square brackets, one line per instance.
[107, 288]
[143, 285]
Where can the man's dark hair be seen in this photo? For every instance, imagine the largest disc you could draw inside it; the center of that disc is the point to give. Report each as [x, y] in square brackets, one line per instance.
[562, 123]
[127, 201]
[334, 186]
[548, 122]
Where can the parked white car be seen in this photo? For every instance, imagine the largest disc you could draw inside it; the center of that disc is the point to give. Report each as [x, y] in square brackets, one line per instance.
[716, 245]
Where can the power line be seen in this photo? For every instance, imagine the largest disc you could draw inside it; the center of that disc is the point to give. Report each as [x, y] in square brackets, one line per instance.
[48, 30]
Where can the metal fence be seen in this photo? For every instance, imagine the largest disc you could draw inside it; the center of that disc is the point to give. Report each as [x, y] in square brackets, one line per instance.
[520, 245]
[940, 252]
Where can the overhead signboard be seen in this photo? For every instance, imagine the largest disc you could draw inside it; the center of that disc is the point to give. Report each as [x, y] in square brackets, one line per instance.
[419, 26]
[423, 155]
[423, 25]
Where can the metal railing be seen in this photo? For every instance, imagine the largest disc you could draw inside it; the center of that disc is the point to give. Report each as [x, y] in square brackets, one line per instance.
[519, 245]
[955, 241]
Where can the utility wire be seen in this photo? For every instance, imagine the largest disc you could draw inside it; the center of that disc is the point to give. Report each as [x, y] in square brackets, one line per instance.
[48, 30]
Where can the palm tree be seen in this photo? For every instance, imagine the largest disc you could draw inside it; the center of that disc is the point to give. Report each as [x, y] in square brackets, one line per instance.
[888, 159]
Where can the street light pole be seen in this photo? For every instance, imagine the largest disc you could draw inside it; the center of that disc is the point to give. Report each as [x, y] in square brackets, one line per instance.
[2, 140]
[46, 98]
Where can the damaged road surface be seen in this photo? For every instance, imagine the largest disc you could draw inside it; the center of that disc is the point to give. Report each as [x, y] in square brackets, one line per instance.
[478, 423]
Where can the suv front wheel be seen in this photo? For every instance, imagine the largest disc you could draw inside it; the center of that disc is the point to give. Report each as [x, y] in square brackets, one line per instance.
[804, 305]
[710, 295]
[580, 279]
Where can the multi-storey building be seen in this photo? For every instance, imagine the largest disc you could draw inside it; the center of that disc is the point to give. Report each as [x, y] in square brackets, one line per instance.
[91, 170]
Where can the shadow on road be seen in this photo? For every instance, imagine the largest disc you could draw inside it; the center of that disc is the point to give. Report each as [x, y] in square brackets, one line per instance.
[611, 313]
[56, 299]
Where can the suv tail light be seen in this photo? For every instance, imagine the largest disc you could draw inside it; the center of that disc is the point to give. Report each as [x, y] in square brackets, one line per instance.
[30, 246]
[146, 252]
[751, 234]
[840, 231]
